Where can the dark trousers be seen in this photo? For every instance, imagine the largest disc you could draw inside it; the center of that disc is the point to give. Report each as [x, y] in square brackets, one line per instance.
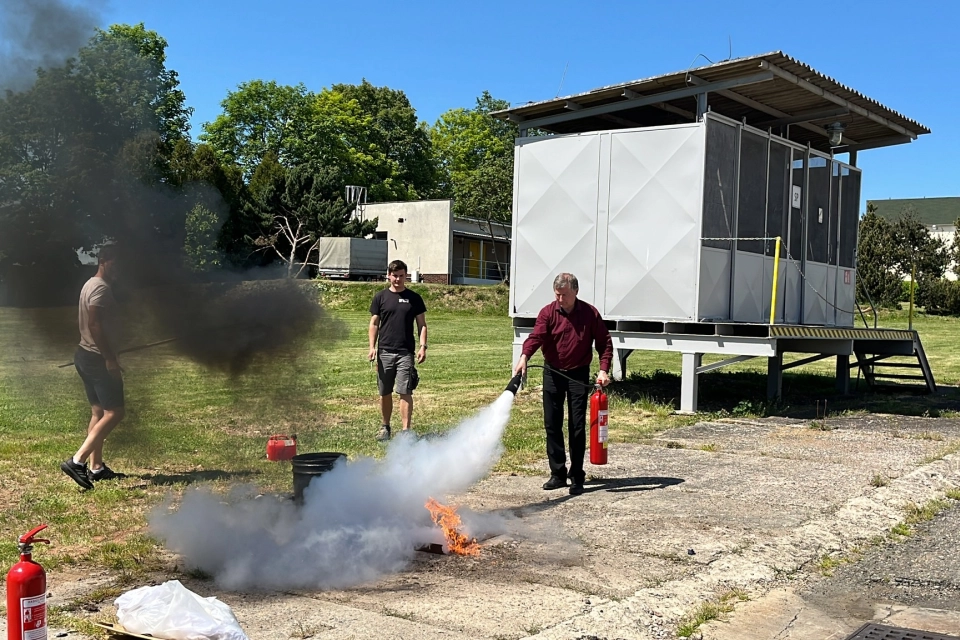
[557, 390]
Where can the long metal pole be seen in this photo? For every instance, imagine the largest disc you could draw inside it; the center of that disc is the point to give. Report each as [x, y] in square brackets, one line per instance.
[128, 350]
[776, 274]
[913, 285]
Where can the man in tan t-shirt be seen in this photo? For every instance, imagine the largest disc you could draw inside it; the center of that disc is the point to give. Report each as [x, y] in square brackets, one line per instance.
[96, 362]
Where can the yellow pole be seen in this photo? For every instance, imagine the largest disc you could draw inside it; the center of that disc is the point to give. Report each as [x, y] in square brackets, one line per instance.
[776, 271]
[913, 285]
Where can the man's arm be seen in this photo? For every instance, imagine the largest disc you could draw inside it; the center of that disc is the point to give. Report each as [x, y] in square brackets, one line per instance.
[604, 345]
[96, 316]
[372, 332]
[534, 341]
[422, 332]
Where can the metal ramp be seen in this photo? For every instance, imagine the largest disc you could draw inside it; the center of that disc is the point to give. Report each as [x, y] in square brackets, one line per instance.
[885, 363]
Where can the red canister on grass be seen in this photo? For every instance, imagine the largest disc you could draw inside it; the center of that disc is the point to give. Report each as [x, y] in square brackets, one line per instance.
[281, 447]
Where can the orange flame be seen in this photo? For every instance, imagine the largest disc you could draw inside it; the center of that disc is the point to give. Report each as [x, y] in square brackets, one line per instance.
[447, 519]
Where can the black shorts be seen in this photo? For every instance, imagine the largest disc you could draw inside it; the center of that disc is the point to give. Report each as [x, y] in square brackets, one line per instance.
[103, 389]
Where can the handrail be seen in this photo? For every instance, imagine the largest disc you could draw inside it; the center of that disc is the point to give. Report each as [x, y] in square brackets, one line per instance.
[873, 307]
[482, 267]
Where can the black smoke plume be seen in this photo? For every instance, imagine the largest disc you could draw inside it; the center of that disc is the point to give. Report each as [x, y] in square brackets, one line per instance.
[96, 149]
[41, 33]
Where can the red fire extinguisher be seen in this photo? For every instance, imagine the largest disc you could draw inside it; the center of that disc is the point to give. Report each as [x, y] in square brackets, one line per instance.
[27, 593]
[598, 427]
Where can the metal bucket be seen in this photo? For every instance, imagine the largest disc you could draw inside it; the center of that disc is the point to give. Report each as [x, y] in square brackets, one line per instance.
[308, 466]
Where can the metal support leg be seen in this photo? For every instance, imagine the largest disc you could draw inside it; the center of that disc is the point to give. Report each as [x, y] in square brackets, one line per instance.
[775, 377]
[619, 363]
[843, 375]
[517, 352]
[689, 380]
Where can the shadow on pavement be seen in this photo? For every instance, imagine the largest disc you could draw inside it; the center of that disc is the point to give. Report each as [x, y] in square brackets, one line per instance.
[610, 485]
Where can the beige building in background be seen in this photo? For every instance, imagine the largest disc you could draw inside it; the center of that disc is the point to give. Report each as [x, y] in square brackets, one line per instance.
[439, 247]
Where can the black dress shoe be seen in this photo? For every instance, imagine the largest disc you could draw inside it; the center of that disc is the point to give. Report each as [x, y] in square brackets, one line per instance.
[555, 482]
[576, 488]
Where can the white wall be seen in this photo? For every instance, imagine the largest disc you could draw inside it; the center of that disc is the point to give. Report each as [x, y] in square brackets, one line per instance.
[424, 237]
[620, 209]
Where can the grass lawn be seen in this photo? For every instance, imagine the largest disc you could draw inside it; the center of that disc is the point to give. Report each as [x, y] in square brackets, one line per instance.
[186, 424]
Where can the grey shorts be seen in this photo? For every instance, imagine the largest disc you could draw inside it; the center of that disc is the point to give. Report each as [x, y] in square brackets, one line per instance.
[104, 389]
[396, 370]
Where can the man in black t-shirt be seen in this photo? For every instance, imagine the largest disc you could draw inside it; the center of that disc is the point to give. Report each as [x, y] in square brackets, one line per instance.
[393, 313]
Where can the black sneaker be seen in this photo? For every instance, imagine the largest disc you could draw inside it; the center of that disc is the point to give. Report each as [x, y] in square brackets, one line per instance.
[576, 488]
[78, 472]
[384, 434]
[103, 473]
[555, 482]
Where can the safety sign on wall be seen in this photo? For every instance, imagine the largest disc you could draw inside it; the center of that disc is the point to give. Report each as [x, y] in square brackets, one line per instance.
[797, 192]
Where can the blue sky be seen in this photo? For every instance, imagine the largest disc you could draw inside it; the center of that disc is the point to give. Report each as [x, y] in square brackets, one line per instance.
[443, 55]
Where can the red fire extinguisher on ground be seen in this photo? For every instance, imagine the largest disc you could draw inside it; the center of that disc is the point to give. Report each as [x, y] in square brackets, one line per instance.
[598, 427]
[27, 593]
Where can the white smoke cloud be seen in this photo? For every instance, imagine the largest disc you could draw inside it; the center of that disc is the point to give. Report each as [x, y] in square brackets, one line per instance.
[359, 521]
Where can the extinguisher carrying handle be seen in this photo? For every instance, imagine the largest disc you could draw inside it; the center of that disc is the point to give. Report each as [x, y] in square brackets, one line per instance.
[28, 538]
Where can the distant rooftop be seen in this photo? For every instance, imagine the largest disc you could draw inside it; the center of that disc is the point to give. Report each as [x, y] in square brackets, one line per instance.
[928, 210]
[768, 91]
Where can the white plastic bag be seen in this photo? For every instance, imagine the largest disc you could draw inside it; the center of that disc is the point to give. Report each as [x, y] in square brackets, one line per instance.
[172, 611]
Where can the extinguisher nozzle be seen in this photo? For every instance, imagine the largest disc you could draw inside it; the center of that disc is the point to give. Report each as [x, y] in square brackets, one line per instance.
[515, 383]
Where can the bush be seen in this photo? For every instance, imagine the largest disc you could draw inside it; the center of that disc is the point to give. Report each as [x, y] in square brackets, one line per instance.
[942, 297]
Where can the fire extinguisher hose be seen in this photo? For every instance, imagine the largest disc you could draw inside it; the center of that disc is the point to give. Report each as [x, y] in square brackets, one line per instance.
[546, 367]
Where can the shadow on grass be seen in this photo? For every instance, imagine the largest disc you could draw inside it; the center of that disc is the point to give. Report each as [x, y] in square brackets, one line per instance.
[805, 395]
[612, 485]
[193, 476]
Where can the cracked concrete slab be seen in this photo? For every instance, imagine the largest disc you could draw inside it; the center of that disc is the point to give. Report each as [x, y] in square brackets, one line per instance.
[732, 506]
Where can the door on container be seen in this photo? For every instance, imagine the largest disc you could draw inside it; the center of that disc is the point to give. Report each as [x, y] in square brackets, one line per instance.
[555, 218]
[719, 192]
[816, 269]
[751, 283]
[778, 222]
[653, 233]
[793, 280]
[472, 268]
[847, 249]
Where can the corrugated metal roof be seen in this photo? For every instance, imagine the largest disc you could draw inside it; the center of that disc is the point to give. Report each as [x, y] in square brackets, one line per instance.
[779, 87]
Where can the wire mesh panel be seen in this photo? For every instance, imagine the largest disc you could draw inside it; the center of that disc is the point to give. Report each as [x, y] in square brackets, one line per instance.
[778, 193]
[720, 174]
[797, 168]
[752, 194]
[849, 215]
[833, 238]
[818, 206]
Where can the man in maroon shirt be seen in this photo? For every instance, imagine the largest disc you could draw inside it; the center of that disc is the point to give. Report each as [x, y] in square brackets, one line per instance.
[566, 330]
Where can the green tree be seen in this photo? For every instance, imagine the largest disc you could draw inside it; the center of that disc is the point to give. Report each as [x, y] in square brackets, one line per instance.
[877, 266]
[76, 146]
[917, 252]
[406, 165]
[299, 206]
[261, 117]
[126, 65]
[369, 134]
[475, 159]
[200, 244]
[890, 252]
